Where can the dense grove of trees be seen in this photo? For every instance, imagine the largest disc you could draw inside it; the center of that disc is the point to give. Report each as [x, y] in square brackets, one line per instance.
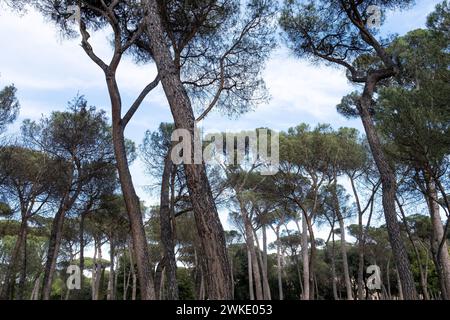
[342, 200]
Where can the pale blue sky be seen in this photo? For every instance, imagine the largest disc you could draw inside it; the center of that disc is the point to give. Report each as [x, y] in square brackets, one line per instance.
[49, 71]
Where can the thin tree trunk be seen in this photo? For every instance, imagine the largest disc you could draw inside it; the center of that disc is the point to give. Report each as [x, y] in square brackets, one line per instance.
[11, 270]
[36, 288]
[333, 267]
[116, 277]
[94, 270]
[52, 253]
[126, 279]
[250, 275]
[251, 249]
[111, 284]
[399, 285]
[232, 277]
[279, 266]
[305, 259]
[167, 232]
[133, 275]
[98, 271]
[159, 281]
[340, 218]
[265, 279]
[388, 278]
[23, 271]
[423, 281]
[218, 280]
[361, 246]
[82, 245]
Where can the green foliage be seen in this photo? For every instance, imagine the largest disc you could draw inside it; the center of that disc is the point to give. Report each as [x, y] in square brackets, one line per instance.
[9, 106]
[5, 209]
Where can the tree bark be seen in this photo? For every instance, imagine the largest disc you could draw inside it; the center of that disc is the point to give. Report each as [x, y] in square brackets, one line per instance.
[388, 183]
[333, 268]
[111, 278]
[423, 281]
[82, 244]
[361, 245]
[251, 289]
[131, 199]
[305, 259]
[263, 265]
[441, 252]
[24, 263]
[279, 266]
[250, 242]
[167, 232]
[98, 272]
[52, 253]
[218, 280]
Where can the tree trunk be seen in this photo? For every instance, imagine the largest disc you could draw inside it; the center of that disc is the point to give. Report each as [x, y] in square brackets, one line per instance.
[250, 241]
[94, 270]
[132, 202]
[423, 281]
[340, 218]
[305, 259]
[159, 281]
[82, 244]
[167, 232]
[250, 275]
[442, 256]
[98, 272]
[218, 282]
[111, 278]
[388, 280]
[52, 253]
[348, 284]
[232, 277]
[388, 183]
[36, 287]
[116, 277]
[279, 266]
[133, 274]
[11, 270]
[24, 263]
[262, 264]
[333, 268]
[399, 285]
[361, 244]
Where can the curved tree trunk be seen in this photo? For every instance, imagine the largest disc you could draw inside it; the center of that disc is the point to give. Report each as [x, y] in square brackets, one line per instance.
[132, 202]
[388, 183]
[218, 280]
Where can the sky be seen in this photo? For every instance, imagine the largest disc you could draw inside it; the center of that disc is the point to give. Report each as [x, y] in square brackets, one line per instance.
[48, 71]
